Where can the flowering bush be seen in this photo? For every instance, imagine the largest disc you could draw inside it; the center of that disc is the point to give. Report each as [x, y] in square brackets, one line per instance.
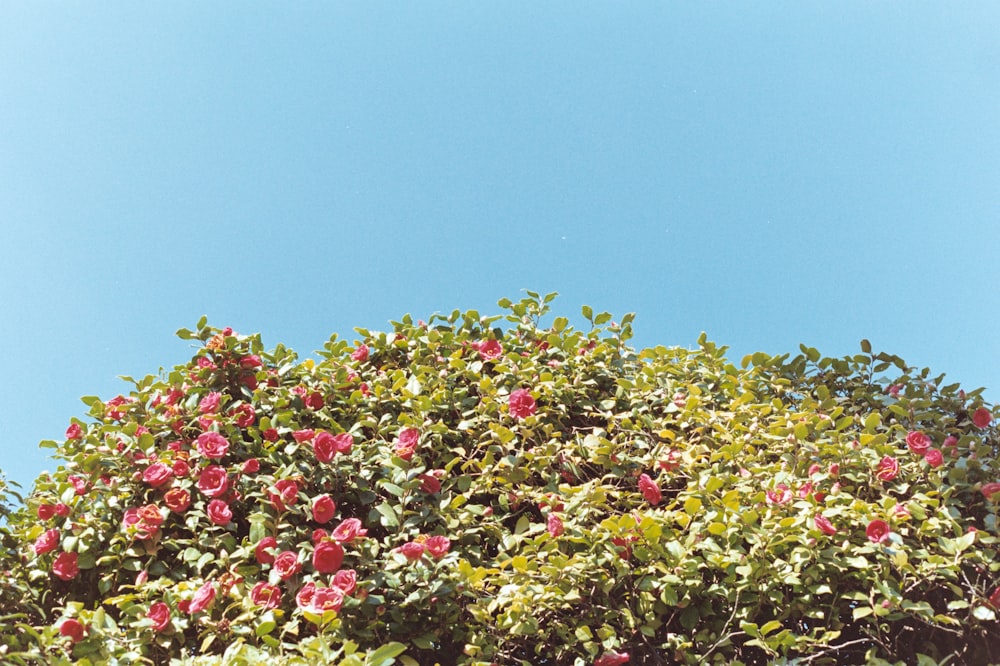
[479, 490]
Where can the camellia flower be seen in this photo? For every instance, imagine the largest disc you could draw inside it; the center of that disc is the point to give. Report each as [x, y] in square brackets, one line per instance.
[47, 542]
[265, 595]
[177, 500]
[219, 512]
[649, 489]
[210, 403]
[918, 442]
[45, 511]
[285, 492]
[327, 557]
[412, 551]
[981, 417]
[490, 350]
[74, 431]
[157, 475]
[406, 442]
[213, 481]
[554, 525]
[994, 598]
[348, 530]
[323, 508]
[203, 598]
[251, 466]
[612, 659]
[887, 469]
[360, 354]
[319, 599]
[72, 629]
[877, 531]
[65, 566]
[159, 613]
[781, 494]
[326, 445]
[212, 445]
[824, 525]
[437, 546]
[346, 580]
[521, 404]
[990, 489]
[245, 415]
[287, 564]
[934, 457]
[261, 550]
[314, 401]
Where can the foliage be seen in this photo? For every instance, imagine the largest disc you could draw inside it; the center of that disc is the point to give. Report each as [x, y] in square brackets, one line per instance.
[480, 490]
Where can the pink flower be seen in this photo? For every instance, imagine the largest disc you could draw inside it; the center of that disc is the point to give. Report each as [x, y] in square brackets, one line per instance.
[287, 564]
[887, 469]
[79, 484]
[245, 415]
[271, 434]
[47, 542]
[158, 475]
[934, 457]
[305, 596]
[781, 494]
[303, 435]
[981, 417]
[203, 598]
[554, 525]
[45, 511]
[319, 599]
[824, 525]
[74, 431]
[348, 530]
[360, 354]
[430, 484]
[285, 492]
[159, 613]
[521, 404]
[323, 508]
[219, 512]
[314, 401]
[877, 531]
[490, 350]
[212, 445]
[177, 500]
[181, 468]
[412, 551]
[261, 551]
[210, 403]
[918, 442]
[437, 546]
[406, 443]
[327, 557]
[612, 659]
[251, 466]
[894, 390]
[65, 566]
[213, 481]
[990, 489]
[346, 580]
[649, 489]
[263, 594]
[72, 629]
[326, 446]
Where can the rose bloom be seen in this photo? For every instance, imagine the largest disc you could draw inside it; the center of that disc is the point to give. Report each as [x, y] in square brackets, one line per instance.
[327, 557]
[649, 489]
[437, 546]
[323, 508]
[490, 350]
[159, 613]
[877, 531]
[212, 445]
[263, 594]
[177, 500]
[824, 525]
[287, 564]
[887, 469]
[346, 580]
[261, 550]
[612, 659]
[213, 481]
[554, 525]
[251, 466]
[412, 551]
[74, 431]
[219, 512]
[47, 542]
[918, 442]
[360, 354]
[203, 598]
[982, 417]
[934, 457]
[65, 566]
[521, 404]
[990, 489]
[72, 629]
[348, 530]
[406, 442]
[46, 511]
[157, 475]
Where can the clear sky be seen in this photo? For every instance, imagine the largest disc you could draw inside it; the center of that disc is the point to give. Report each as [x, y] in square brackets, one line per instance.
[770, 173]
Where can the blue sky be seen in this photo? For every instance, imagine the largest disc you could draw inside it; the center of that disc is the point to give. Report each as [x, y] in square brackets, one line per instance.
[771, 174]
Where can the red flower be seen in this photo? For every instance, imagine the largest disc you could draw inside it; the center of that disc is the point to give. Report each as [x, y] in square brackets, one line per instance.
[261, 550]
[990, 489]
[72, 629]
[412, 551]
[263, 594]
[360, 354]
[981, 417]
[177, 500]
[918, 442]
[323, 508]
[314, 400]
[555, 525]
[251, 466]
[406, 442]
[65, 566]
[203, 598]
[271, 434]
[62, 509]
[346, 580]
[490, 350]
[824, 525]
[285, 492]
[612, 659]
[219, 512]
[303, 435]
[934, 457]
[74, 431]
[672, 462]
[159, 613]
[327, 557]
[245, 415]
[348, 531]
[210, 403]
[181, 468]
[213, 481]
[305, 596]
[158, 475]
[430, 484]
[287, 564]
[212, 445]
[649, 489]
[319, 599]
[47, 542]
[521, 404]
[79, 484]
[45, 511]
[994, 598]
[877, 531]
[437, 546]
[888, 468]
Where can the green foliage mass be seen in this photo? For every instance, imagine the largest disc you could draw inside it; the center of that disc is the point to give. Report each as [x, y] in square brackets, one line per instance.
[505, 492]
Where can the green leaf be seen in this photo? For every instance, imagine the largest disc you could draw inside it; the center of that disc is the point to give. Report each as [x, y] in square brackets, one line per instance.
[588, 313]
[389, 518]
[866, 346]
[862, 611]
[385, 655]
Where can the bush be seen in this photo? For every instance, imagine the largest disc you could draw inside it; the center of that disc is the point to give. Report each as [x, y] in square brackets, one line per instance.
[460, 492]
